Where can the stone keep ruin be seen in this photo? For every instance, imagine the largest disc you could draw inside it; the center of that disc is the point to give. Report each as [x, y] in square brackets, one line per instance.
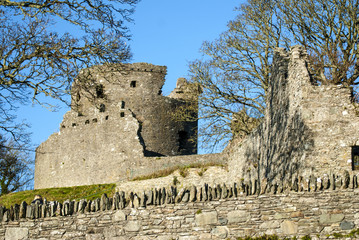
[118, 117]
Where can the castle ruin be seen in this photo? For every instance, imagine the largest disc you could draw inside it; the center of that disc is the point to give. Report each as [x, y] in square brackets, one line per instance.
[118, 117]
[120, 127]
[295, 175]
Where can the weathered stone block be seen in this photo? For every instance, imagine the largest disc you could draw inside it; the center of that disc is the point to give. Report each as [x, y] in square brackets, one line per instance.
[270, 224]
[220, 232]
[16, 233]
[206, 218]
[296, 215]
[331, 218]
[346, 225]
[119, 216]
[238, 216]
[132, 226]
[289, 227]
[193, 194]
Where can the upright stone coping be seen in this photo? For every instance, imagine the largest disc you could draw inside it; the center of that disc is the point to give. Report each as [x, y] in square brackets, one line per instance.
[285, 214]
[175, 195]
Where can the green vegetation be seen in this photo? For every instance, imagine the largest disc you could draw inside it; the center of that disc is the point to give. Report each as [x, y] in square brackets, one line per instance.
[175, 180]
[199, 211]
[200, 173]
[183, 172]
[273, 237]
[354, 234]
[182, 169]
[89, 192]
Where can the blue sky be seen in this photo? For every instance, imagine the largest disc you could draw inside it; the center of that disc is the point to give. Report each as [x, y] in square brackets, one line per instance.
[164, 32]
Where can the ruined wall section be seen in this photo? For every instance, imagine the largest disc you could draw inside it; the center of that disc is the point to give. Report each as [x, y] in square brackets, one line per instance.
[306, 130]
[118, 117]
[330, 114]
[273, 151]
[89, 153]
[136, 87]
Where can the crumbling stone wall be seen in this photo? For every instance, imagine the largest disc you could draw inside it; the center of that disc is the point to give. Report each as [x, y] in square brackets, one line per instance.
[118, 117]
[307, 129]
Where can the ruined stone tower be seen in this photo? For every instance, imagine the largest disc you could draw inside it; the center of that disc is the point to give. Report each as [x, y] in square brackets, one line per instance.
[118, 117]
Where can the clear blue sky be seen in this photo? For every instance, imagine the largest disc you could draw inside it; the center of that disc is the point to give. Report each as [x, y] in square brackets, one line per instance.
[164, 32]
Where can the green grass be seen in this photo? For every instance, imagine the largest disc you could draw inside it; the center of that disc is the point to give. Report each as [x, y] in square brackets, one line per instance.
[274, 237]
[89, 192]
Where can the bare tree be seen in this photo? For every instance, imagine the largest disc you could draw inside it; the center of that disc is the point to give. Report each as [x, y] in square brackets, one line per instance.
[235, 71]
[15, 172]
[36, 60]
[329, 30]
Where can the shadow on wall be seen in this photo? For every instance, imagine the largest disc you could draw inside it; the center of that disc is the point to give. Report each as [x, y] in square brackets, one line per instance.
[282, 140]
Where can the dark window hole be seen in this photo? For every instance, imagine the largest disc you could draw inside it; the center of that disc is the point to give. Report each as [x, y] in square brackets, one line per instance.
[102, 107]
[100, 91]
[94, 120]
[106, 118]
[355, 157]
[133, 84]
[87, 121]
[183, 138]
[122, 114]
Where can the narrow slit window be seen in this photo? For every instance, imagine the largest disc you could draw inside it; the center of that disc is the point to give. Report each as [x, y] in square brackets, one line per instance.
[355, 157]
[102, 107]
[122, 114]
[122, 104]
[106, 118]
[133, 84]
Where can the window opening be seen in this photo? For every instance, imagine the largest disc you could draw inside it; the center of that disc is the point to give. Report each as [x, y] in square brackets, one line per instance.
[94, 120]
[74, 124]
[355, 157]
[87, 122]
[183, 138]
[78, 97]
[133, 84]
[106, 118]
[102, 107]
[122, 104]
[122, 114]
[100, 91]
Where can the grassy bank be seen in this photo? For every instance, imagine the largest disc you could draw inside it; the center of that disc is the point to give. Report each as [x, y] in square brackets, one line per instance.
[89, 192]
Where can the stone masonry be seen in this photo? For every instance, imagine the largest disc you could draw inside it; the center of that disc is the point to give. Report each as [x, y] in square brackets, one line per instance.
[295, 175]
[318, 209]
[118, 118]
[307, 129]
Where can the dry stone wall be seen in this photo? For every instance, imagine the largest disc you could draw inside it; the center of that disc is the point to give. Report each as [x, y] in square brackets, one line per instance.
[317, 207]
